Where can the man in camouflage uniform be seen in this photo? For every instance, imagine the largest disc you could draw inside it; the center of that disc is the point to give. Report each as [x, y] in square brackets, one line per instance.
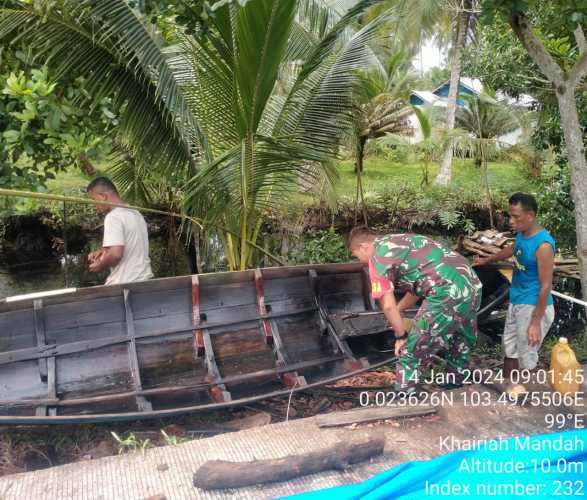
[451, 292]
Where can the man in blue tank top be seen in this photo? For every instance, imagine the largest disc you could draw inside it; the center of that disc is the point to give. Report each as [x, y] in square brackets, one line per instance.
[530, 312]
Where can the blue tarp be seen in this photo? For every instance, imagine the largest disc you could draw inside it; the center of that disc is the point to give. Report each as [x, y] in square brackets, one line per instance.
[545, 466]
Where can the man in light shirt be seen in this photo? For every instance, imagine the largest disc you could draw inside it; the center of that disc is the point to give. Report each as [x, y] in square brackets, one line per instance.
[125, 248]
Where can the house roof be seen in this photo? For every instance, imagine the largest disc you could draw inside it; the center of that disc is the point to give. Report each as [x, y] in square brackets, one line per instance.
[469, 87]
[425, 95]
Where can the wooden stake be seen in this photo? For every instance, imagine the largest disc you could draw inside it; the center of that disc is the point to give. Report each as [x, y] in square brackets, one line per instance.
[361, 415]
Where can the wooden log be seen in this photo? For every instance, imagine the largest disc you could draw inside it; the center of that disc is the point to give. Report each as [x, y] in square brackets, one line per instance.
[565, 262]
[479, 247]
[370, 414]
[475, 250]
[218, 474]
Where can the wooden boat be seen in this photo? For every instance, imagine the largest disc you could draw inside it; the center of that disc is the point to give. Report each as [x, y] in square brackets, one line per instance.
[177, 345]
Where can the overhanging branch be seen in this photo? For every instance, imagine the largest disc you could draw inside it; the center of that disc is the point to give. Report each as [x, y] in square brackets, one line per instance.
[578, 71]
[523, 30]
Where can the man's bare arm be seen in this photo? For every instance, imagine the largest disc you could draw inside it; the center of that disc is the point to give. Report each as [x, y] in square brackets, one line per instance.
[503, 254]
[110, 257]
[407, 301]
[391, 311]
[545, 260]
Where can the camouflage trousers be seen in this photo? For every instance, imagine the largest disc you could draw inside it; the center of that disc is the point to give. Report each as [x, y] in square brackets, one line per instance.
[445, 325]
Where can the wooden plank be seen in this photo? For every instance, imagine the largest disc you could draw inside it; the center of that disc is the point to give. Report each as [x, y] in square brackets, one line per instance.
[247, 377]
[113, 417]
[142, 403]
[196, 318]
[322, 269]
[51, 379]
[39, 321]
[51, 384]
[483, 249]
[279, 346]
[164, 284]
[85, 345]
[83, 314]
[565, 262]
[218, 390]
[347, 326]
[313, 277]
[361, 415]
[337, 344]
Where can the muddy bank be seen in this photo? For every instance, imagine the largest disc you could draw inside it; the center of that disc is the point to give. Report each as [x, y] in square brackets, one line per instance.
[385, 216]
[33, 252]
[43, 236]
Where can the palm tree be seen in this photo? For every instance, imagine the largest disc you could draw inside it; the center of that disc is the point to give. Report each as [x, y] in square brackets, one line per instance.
[380, 102]
[431, 141]
[380, 109]
[232, 122]
[289, 119]
[429, 144]
[484, 121]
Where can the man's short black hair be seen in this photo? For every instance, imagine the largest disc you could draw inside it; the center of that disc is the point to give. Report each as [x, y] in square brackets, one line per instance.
[359, 235]
[527, 201]
[102, 184]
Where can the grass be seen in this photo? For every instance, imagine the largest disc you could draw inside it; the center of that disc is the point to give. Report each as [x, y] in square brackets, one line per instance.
[67, 181]
[381, 174]
[70, 182]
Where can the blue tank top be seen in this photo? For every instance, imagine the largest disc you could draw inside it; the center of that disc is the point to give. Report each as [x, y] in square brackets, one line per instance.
[525, 287]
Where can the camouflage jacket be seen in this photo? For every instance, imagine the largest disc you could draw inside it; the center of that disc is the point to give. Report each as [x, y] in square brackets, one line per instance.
[418, 264]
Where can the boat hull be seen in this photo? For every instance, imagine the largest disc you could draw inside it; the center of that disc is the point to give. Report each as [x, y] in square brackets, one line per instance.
[178, 345]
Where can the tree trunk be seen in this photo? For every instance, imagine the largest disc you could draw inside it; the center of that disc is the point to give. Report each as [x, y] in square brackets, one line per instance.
[565, 83]
[578, 166]
[193, 248]
[445, 174]
[360, 200]
[360, 153]
[86, 165]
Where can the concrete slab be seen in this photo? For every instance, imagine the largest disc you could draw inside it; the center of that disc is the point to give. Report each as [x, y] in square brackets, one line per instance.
[168, 470]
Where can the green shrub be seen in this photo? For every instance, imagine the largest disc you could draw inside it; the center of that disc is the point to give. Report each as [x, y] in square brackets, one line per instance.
[320, 247]
[435, 207]
[556, 210]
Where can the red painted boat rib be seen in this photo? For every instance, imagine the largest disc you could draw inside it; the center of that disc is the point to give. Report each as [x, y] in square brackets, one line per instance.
[198, 337]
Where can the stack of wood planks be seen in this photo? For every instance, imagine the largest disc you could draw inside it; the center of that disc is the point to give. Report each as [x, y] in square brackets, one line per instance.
[485, 243]
[491, 241]
[567, 268]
